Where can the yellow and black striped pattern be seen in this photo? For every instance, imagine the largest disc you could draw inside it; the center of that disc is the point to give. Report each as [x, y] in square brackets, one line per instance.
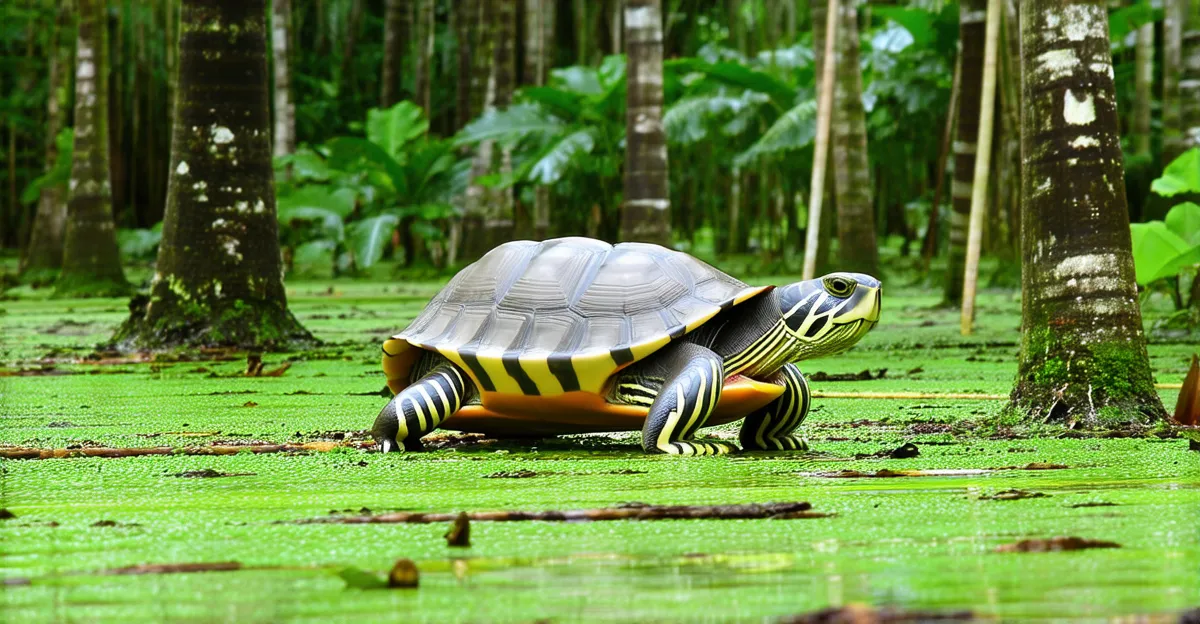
[684, 406]
[424, 405]
[563, 315]
[770, 428]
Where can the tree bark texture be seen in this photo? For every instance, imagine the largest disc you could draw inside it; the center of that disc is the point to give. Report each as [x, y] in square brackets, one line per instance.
[824, 39]
[540, 18]
[1083, 351]
[1189, 79]
[857, 250]
[44, 256]
[91, 261]
[285, 109]
[498, 222]
[396, 27]
[1143, 82]
[646, 215]
[219, 278]
[482, 96]
[466, 24]
[1174, 15]
[424, 56]
[971, 27]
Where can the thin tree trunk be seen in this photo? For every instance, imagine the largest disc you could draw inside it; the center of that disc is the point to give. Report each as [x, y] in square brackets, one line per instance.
[1189, 79]
[615, 28]
[1143, 81]
[979, 188]
[1083, 352]
[972, 17]
[349, 43]
[285, 110]
[219, 272]
[466, 22]
[583, 32]
[852, 171]
[483, 94]
[1175, 14]
[539, 46]
[91, 261]
[397, 17]
[929, 244]
[827, 45]
[44, 256]
[646, 215]
[424, 55]
[498, 221]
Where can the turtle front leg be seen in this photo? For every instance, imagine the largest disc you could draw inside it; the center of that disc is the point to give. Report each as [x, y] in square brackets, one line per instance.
[685, 402]
[420, 408]
[770, 428]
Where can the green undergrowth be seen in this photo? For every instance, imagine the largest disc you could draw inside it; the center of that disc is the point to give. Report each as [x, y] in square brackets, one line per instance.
[911, 541]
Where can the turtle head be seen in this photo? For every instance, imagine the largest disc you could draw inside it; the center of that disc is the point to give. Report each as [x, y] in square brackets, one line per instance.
[829, 314]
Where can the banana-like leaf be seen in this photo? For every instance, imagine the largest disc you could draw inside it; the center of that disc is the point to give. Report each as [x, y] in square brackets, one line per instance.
[577, 79]
[369, 237]
[741, 76]
[1181, 176]
[793, 130]
[556, 160]
[351, 153]
[918, 22]
[59, 174]
[559, 102]
[393, 128]
[330, 222]
[1184, 220]
[307, 166]
[1159, 253]
[509, 126]
[1128, 19]
[340, 201]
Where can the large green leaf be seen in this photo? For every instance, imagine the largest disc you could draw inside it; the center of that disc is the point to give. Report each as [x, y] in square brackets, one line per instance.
[793, 130]
[1159, 253]
[919, 23]
[577, 79]
[1184, 220]
[741, 76]
[339, 201]
[59, 174]
[308, 165]
[558, 102]
[369, 237]
[392, 128]
[509, 126]
[1181, 176]
[350, 153]
[549, 168]
[329, 222]
[1125, 20]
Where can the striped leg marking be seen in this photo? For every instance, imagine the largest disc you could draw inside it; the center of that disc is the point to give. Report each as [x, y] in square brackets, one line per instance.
[770, 428]
[420, 408]
[681, 408]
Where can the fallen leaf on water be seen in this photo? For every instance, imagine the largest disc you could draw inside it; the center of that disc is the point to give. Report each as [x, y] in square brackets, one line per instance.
[1013, 495]
[1092, 504]
[176, 568]
[459, 534]
[862, 614]
[360, 579]
[209, 473]
[512, 474]
[1055, 544]
[249, 404]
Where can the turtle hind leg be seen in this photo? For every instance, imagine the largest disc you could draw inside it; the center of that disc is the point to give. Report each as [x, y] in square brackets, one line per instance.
[694, 379]
[771, 427]
[420, 408]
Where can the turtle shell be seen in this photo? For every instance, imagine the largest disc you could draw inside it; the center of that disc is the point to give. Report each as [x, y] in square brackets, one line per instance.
[547, 318]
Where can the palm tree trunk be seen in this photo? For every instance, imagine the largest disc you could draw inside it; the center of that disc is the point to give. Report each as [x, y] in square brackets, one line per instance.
[91, 261]
[1143, 81]
[852, 171]
[285, 110]
[539, 49]
[424, 55]
[971, 34]
[44, 256]
[825, 23]
[1189, 79]
[1083, 353]
[349, 43]
[646, 215]
[218, 278]
[396, 21]
[1174, 16]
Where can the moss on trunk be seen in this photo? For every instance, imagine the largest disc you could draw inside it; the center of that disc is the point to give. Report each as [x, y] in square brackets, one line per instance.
[219, 278]
[1083, 351]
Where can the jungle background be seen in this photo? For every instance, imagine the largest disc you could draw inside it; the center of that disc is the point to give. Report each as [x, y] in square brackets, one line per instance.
[394, 141]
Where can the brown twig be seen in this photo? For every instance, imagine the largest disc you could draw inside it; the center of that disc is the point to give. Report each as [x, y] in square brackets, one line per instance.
[634, 511]
[20, 452]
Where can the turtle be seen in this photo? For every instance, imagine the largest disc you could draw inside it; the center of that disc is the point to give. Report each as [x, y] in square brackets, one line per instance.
[575, 335]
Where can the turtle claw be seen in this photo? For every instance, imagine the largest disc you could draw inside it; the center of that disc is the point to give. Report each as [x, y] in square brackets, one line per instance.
[388, 445]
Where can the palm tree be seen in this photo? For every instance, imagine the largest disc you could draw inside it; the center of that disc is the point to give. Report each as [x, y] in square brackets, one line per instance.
[218, 277]
[646, 215]
[91, 261]
[1083, 352]
[857, 250]
[285, 109]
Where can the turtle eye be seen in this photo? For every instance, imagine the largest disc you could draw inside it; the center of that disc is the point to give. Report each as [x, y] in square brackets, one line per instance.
[840, 286]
